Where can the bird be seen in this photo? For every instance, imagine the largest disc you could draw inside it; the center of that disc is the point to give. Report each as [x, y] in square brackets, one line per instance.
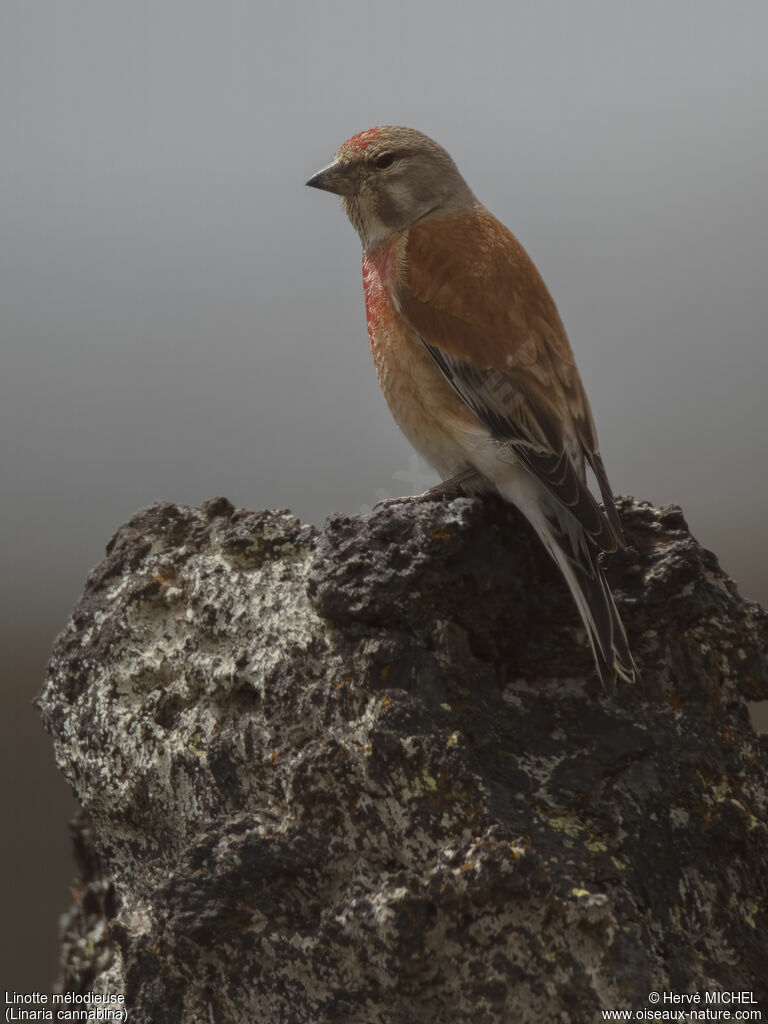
[475, 363]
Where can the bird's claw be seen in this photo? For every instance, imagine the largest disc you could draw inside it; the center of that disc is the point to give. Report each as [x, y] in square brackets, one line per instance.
[405, 499]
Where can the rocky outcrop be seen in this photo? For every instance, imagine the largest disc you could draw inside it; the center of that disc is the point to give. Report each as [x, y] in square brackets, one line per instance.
[367, 774]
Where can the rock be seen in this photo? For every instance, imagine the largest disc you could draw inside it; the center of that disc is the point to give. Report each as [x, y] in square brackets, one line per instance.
[367, 774]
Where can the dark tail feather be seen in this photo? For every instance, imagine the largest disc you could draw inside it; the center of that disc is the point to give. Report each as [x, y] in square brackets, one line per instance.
[576, 558]
[606, 494]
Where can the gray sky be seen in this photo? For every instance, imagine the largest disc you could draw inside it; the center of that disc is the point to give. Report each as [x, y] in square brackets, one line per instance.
[181, 318]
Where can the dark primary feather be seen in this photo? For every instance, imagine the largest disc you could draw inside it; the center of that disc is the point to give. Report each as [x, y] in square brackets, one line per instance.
[504, 409]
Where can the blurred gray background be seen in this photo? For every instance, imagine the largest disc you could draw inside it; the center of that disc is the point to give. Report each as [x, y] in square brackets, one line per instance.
[181, 318]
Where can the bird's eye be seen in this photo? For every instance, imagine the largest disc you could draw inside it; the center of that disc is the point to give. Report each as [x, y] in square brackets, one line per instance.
[385, 160]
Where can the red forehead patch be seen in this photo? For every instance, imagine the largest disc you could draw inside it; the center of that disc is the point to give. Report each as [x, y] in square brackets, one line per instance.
[363, 139]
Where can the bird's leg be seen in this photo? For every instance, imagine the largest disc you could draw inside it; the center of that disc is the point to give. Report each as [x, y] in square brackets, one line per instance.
[452, 487]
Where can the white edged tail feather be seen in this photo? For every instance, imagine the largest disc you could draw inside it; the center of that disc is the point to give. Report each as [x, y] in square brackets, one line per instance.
[576, 556]
[577, 559]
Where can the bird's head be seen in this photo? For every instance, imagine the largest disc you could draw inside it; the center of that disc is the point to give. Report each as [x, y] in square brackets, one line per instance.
[390, 178]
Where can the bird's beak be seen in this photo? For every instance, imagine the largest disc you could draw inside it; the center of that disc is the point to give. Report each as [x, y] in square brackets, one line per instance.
[336, 178]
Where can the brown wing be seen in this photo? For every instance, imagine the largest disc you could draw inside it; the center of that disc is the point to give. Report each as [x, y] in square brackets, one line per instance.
[507, 354]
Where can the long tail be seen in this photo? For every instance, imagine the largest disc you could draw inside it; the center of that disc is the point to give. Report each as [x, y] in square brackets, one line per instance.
[576, 557]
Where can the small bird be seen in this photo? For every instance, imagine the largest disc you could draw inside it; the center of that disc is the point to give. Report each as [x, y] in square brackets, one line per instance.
[474, 361]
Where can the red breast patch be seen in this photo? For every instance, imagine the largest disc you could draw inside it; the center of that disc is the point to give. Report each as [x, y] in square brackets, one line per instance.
[378, 273]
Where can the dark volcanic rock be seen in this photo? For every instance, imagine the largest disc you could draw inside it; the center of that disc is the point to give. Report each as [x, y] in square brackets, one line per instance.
[368, 774]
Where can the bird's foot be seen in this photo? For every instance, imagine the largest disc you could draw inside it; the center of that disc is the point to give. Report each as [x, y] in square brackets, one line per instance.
[406, 499]
[453, 487]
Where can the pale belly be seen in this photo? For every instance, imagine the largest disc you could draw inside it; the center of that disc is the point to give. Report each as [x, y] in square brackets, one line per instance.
[422, 403]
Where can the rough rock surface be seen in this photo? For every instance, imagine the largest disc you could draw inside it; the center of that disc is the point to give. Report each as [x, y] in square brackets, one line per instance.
[367, 774]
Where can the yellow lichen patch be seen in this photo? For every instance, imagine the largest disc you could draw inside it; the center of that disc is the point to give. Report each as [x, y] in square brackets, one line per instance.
[752, 821]
[596, 846]
[439, 534]
[196, 744]
[453, 739]
[274, 758]
[384, 672]
[446, 707]
[570, 826]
